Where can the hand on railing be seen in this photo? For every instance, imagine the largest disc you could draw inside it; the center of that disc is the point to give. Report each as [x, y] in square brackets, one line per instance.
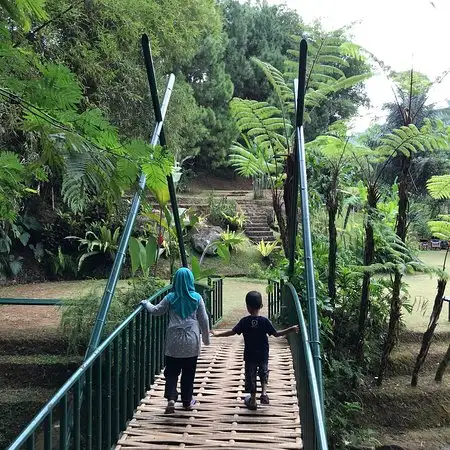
[144, 303]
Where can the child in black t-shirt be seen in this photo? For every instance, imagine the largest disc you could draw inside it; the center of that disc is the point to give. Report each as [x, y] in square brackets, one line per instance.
[255, 329]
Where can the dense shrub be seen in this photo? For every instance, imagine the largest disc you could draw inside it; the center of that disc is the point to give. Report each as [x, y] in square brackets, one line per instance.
[78, 314]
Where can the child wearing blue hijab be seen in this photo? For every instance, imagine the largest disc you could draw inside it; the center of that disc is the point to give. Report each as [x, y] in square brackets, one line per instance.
[187, 321]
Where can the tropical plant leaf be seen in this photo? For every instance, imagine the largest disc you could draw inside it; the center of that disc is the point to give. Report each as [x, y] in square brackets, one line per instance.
[195, 267]
[135, 254]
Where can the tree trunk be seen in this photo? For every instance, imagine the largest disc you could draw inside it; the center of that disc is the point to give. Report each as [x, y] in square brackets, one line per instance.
[332, 207]
[288, 193]
[396, 304]
[428, 335]
[369, 250]
[442, 366]
[347, 216]
[332, 252]
[278, 210]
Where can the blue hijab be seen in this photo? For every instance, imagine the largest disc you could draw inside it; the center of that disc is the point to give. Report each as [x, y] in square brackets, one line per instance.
[183, 298]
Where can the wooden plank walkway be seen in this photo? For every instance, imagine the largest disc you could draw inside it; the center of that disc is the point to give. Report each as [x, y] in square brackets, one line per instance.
[220, 418]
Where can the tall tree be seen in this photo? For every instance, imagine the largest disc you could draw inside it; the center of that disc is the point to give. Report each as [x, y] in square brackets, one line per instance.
[405, 142]
[267, 130]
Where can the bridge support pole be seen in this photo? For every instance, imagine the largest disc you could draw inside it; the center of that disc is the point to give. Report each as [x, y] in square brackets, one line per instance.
[158, 131]
[301, 179]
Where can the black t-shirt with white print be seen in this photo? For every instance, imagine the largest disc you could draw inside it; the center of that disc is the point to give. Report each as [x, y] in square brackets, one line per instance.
[255, 330]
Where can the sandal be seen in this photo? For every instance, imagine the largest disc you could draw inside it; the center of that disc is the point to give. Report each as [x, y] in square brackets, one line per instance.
[189, 406]
[249, 404]
[264, 399]
[170, 408]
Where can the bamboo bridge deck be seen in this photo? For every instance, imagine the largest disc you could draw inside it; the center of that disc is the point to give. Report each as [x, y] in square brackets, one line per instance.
[220, 418]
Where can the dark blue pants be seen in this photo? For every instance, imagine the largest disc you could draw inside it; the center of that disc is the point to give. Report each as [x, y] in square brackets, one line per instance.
[175, 366]
[251, 370]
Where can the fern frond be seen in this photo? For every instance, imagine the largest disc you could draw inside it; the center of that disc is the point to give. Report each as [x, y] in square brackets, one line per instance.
[262, 122]
[352, 50]
[409, 139]
[276, 79]
[251, 161]
[439, 186]
[57, 89]
[22, 11]
[440, 228]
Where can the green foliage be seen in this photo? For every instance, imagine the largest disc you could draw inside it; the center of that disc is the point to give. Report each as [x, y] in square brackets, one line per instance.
[221, 249]
[266, 248]
[231, 239]
[256, 30]
[24, 11]
[409, 139]
[78, 314]
[62, 264]
[198, 272]
[142, 256]
[441, 228]
[101, 241]
[235, 222]
[12, 185]
[439, 186]
[218, 207]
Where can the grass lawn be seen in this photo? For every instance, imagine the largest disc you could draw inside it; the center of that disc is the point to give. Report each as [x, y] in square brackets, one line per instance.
[422, 290]
[56, 289]
[234, 291]
[241, 261]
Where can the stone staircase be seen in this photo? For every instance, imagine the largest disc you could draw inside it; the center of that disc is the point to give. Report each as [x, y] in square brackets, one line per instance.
[257, 227]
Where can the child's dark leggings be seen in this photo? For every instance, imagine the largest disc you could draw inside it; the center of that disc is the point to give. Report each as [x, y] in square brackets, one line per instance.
[172, 371]
[251, 369]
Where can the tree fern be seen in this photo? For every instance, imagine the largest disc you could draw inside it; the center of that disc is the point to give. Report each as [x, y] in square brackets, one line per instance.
[327, 57]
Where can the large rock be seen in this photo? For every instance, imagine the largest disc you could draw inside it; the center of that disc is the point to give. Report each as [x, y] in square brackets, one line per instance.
[203, 236]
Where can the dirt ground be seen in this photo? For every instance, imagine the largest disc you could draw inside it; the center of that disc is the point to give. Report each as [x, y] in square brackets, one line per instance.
[37, 318]
[210, 182]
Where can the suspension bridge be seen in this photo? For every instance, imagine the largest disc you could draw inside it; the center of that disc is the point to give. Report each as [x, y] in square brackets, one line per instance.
[115, 398]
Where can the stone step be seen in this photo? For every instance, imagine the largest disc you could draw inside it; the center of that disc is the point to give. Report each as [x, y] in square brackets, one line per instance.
[257, 234]
[260, 236]
[266, 239]
[257, 217]
[252, 226]
[250, 229]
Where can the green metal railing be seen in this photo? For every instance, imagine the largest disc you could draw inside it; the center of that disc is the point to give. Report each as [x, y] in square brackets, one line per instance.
[215, 302]
[31, 301]
[274, 299]
[93, 407]
[104, 392]
[311, 412]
